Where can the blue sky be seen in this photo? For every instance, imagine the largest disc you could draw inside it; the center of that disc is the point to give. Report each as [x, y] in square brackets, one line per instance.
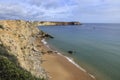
[92, 11]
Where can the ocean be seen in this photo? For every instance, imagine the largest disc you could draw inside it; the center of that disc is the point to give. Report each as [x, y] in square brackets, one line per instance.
[96, 47]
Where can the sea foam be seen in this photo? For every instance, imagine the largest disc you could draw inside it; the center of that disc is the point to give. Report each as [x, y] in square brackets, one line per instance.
[43, 41]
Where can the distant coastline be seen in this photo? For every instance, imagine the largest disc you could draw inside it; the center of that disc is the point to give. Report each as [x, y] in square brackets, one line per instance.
[54, 23]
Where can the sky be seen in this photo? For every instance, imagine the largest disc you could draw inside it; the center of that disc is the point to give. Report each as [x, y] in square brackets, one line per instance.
[85, 11]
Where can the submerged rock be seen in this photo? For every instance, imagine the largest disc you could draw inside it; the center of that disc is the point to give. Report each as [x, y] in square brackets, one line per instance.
[71, 52]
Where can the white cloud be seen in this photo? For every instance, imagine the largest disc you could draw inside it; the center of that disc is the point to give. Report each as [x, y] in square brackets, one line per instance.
[82, 10]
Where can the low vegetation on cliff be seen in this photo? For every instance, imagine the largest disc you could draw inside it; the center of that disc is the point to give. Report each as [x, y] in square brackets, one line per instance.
[10, 71]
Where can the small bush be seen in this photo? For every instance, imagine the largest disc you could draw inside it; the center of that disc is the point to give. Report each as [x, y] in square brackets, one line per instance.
[1, 27]
[10, 71]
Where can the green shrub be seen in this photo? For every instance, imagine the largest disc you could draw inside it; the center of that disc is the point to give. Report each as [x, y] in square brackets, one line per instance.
[5, 53]
[1, 27]
[10, 71]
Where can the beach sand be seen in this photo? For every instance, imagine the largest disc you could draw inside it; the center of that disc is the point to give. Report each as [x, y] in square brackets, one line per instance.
[59, 68]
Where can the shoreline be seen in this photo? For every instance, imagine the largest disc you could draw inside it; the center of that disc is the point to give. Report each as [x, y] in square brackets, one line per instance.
[78, 66]
[69, 60]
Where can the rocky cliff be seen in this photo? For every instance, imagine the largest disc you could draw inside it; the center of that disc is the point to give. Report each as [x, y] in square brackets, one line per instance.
[17, 37]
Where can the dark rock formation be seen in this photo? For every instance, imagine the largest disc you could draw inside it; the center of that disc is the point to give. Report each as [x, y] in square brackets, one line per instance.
[71, 52]
[47, 36]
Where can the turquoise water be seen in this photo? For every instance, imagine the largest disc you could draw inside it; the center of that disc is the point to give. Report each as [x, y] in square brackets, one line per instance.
[96, 46]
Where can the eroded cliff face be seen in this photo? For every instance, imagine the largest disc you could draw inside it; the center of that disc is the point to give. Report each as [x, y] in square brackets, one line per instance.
[18, 38]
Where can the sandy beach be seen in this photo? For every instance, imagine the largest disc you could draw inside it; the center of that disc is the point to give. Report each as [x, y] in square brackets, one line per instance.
[59, 68]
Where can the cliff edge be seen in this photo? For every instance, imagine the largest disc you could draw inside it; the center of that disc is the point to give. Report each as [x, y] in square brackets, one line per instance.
[17, 39]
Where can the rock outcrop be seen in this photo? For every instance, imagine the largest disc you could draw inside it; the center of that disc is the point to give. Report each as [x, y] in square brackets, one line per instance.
[18, 38]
